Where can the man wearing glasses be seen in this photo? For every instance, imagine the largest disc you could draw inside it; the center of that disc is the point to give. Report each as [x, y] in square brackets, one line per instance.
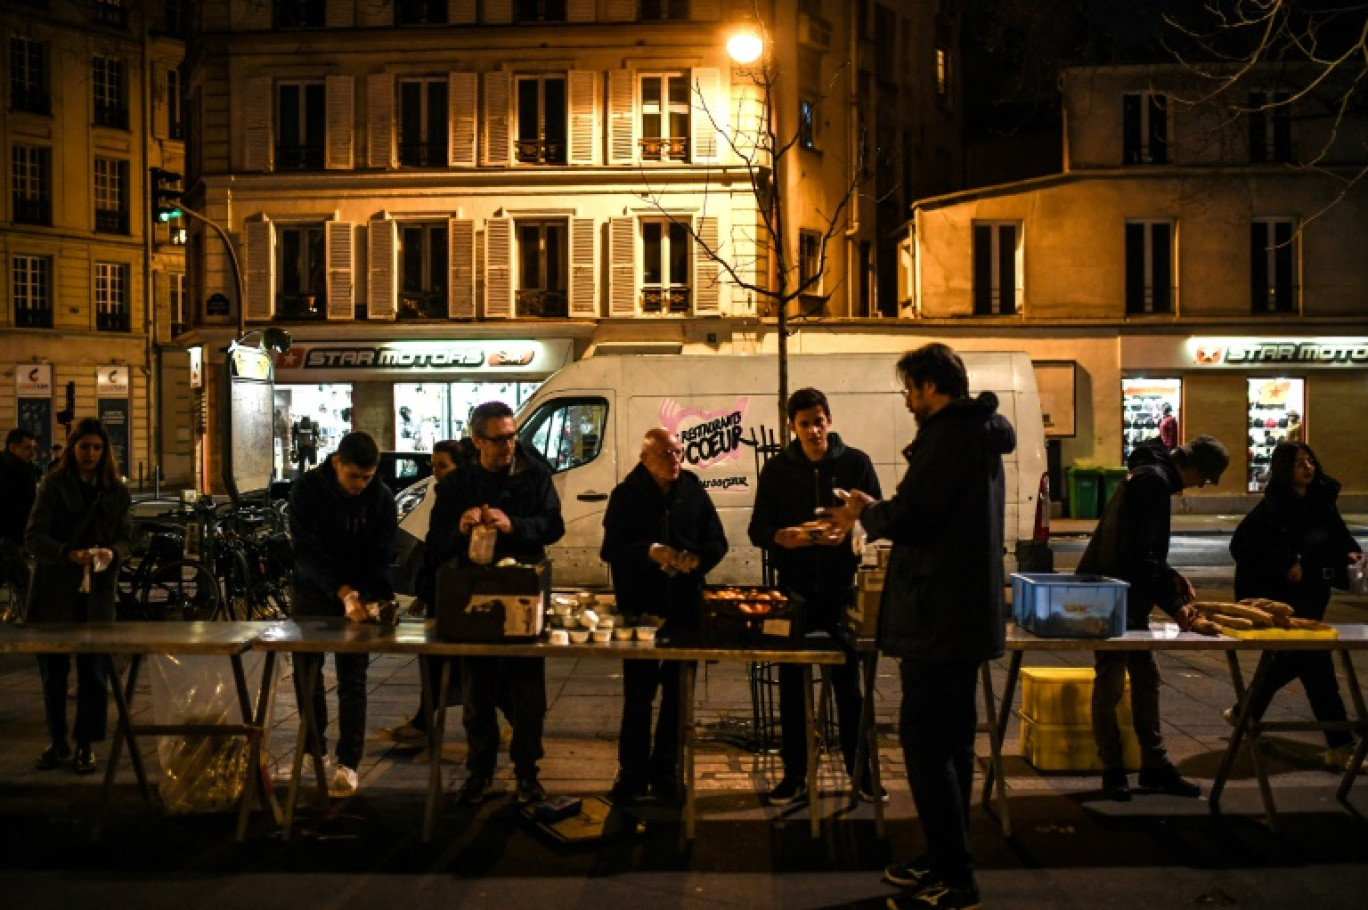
[507, 488]
[1131, 543]
[661, 536]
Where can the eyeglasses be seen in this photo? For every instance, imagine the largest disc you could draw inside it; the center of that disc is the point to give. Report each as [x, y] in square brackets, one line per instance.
[670, 454]
[503, 440]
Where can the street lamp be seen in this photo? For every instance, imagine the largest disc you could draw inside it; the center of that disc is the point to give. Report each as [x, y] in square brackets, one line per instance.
[746, 46]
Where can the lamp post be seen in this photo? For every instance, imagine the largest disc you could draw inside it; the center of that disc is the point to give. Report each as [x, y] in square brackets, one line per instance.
[751, 51]
[232, 259]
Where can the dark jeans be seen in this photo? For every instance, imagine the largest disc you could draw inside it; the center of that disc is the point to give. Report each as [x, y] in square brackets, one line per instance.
[351, 706]
[1109, 687]
[937, 724]
[640, 762]
[1316, 670]
[92, 696]
[480, 680]
[845, 685]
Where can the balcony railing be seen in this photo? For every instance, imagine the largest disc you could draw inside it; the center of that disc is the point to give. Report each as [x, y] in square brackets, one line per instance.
[114, 116]
[431, 154]
[665, 300]
[33, 317]
[111, 221]
[33, 211]
[664, 148]
[301, 306]
[422, 305]
[537, 303]
[299, 158]
[113, 321]
[31, 101]
[535, 151]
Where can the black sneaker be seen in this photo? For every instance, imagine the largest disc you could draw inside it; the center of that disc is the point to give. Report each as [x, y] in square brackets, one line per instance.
[941, 897]
[530, 790]
[790, 789]
[1116, 786]
[474, 790]
[84, 762]
[1166, 779]
[911, 874]
[53, 757]
[867, 793]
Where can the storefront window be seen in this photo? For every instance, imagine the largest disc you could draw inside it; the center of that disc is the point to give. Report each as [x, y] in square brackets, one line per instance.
[1276, 408]
[1150, 413]
[427, 412]
[310, 420]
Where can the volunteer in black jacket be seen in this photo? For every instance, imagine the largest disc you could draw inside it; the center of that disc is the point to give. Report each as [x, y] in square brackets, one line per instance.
[1131, 543]
[508, 488]
[342, 525]
[661, 537]
[1294, 547]
[942, 608]
[19, 478]
[817, 564]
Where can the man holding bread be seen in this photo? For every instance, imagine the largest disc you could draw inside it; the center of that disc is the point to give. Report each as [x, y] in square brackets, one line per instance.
[1132, 543]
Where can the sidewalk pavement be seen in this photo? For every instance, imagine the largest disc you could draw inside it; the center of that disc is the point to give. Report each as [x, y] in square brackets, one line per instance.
[1071, 848]
[1195, 523]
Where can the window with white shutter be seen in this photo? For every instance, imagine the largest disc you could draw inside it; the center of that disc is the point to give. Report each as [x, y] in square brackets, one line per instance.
[540, 119]
[497, 87]
[424, 269]
[583, 117]
[423, 128]
[462, 258]
[583, 268]
[461, 92]
[622, 290]
[341, 121]
[301, 271]
[622, 10]
[665, 271]
[461, 12]
[301, 117]
[541, 259]
[256, 110]
[380, 120]
[381, 253]
[340, 293]
[708, 115]
[498, 268]
[707, 283]
[621, 117]
[498, 12]
[260, 269]
[665, 106]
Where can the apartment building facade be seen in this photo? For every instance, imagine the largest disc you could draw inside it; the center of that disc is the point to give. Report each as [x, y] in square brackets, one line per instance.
[1192, 256]
[443, 202]
[91, 287]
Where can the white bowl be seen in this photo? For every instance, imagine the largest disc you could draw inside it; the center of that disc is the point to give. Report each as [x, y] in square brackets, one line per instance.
[579, 636]
[623, 633]
[602, 635]
[645, 633]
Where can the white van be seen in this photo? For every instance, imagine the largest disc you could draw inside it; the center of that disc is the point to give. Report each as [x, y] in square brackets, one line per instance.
[588, 420]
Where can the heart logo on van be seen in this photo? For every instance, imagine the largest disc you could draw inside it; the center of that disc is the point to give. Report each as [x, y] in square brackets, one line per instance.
[709, 437]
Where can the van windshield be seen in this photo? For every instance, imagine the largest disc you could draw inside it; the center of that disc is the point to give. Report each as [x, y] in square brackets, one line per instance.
[567, 432]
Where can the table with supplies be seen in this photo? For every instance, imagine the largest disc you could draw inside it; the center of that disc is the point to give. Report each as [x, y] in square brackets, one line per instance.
[138, 640]
[309, 640]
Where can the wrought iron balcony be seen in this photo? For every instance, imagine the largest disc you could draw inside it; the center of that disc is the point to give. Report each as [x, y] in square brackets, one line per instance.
[114, 116]
[537, 303]
[113, 321]
[430, 154]
[299, 157]
[535, 151]
[664, 148]
[301, 306]
[665, 300]
[33, 211]
[109, 221]
[33, 317]
[422, 305]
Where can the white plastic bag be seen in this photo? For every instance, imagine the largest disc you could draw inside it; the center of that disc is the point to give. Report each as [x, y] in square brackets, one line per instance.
[202, 772]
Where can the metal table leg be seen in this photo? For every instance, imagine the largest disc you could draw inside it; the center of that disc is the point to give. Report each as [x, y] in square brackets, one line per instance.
[998, 732]
[688, 678]
[436, 734]
[1360, 727]
[1245, 725]
[813, 755]
[867, 748]
[995, 733]
[253, 785]
[307, 739]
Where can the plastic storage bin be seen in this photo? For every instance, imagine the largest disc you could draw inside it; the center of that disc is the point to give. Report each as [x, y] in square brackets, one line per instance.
[1050, 747]
[1083, 484]
[1060, 605]
[1056, 721]
[1112, 478]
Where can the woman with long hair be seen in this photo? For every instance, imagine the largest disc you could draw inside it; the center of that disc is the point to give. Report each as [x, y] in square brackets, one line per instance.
[1294, 547]
[79, 533]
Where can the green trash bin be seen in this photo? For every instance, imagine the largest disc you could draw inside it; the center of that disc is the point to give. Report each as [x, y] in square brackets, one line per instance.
[1112, 478]
[1083, 484]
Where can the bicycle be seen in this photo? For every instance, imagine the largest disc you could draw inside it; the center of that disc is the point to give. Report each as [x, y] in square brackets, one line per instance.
[158, 583]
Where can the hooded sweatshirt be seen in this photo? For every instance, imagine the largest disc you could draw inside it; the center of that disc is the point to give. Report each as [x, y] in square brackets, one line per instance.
[340, 539]
[942, 596]
[790, 491]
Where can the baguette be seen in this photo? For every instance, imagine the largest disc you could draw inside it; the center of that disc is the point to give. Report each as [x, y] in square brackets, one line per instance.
[1231, 622]
[1258, 617]
[1273, 607]
[1203, 626]
[1299, 623]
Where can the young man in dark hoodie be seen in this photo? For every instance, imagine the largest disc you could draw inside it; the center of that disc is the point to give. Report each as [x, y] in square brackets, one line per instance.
[942, 608]
[1131, 543]
[506, 487]
[342, 525]
[661, 537]
[815, 563]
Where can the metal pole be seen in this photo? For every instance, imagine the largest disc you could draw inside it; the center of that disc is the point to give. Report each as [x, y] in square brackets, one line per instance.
[233, 259]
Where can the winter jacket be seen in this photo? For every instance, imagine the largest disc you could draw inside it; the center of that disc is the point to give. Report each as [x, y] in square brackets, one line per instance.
[340, 539]
[942, 597]
[640, 514]
[68, 515]
[1285, 529]
[790, 491]
[1131, 541]
[18, 491]
[524, 492]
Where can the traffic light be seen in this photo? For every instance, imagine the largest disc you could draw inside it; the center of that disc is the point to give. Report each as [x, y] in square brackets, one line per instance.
[165, 194]
[67, 415]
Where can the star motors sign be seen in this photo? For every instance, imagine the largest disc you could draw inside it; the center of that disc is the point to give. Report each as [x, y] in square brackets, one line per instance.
[415, 357]
[1274, 352]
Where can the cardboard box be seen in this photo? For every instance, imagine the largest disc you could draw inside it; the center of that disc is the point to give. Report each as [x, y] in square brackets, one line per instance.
[862, 616]
[492, 603]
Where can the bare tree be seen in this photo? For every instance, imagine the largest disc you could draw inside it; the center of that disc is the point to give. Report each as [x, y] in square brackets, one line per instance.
[775, 272]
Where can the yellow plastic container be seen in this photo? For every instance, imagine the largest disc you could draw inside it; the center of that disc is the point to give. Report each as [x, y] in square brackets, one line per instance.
[1062, 696]
[1053, 747]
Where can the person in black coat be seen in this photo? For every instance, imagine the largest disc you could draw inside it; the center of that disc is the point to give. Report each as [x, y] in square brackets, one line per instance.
[79, 534]
[1294, 547]
[661, 537]
[942, 608]
[19, 478]
[507, 488]
[816, 564]
[1131, 542]
[342, 526]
